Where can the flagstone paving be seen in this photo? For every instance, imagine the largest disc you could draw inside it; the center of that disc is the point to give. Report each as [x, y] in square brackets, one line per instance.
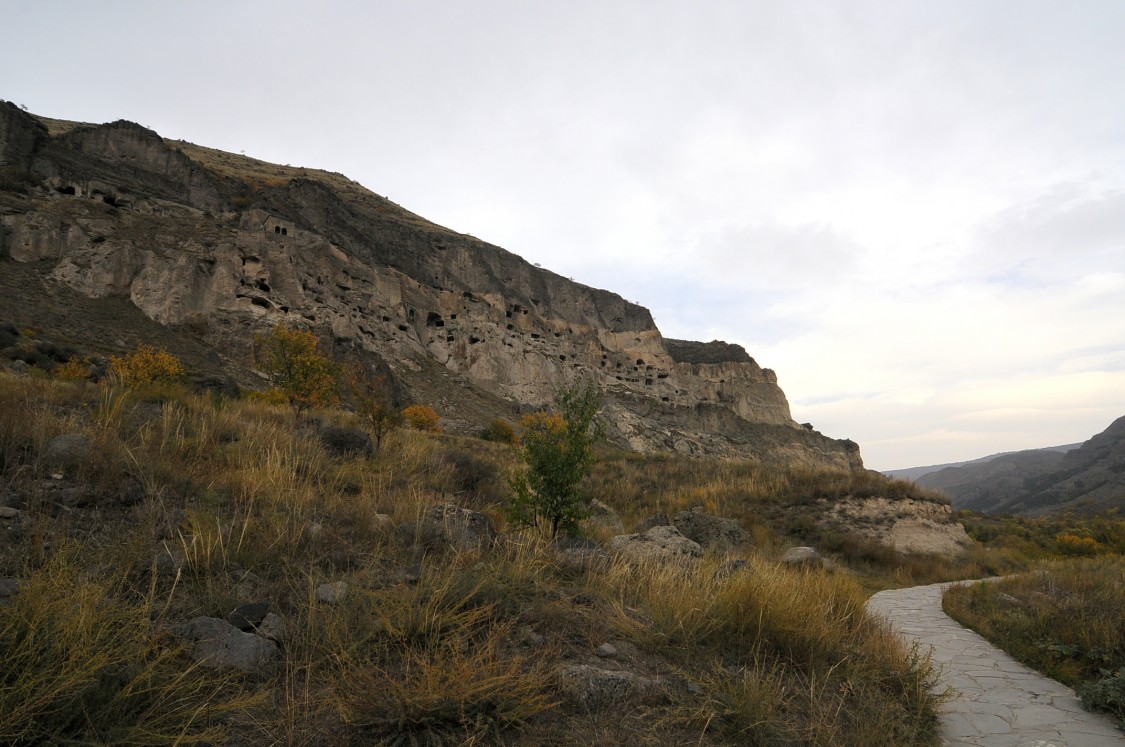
[997, 702]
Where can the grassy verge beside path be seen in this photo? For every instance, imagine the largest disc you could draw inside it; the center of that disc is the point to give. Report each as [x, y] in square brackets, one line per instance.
[1066, 620]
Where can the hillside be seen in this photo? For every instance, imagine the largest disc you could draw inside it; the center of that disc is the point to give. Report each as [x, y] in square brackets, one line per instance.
[108, 230]
[1087, 479]
[916, 473]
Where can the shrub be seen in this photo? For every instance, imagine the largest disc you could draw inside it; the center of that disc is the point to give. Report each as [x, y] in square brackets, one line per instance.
[1076, 547]
[467, 473]
[146, 366]
[1106, 694]
[423, 418]
[558, 451]
[75, 369]
[501, 431]
[292, 360]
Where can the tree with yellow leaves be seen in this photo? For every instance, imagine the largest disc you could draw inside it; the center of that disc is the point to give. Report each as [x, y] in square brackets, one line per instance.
[296, 367]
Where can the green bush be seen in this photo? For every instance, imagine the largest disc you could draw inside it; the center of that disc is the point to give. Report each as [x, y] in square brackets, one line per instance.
[558, 451]
[1106, 694]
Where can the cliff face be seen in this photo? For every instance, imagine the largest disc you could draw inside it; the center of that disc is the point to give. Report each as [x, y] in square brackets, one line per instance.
[222, 246]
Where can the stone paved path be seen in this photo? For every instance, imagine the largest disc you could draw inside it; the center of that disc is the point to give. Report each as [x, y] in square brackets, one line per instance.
[997, 702]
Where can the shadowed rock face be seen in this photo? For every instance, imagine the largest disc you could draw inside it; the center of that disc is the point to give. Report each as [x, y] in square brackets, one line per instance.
[222, 247]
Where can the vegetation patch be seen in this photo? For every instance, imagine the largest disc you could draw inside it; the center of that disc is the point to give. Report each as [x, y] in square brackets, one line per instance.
[1064, 620]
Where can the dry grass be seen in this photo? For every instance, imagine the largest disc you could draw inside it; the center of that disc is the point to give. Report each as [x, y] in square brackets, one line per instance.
[1065, 620]
[430, 645]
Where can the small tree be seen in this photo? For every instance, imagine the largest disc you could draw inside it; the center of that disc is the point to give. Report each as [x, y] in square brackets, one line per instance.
[558, 452]
[292, 360]
[371, 398]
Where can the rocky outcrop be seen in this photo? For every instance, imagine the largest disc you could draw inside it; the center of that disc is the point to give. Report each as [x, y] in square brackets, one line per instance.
[660, 544]
[223, 246]
[908, 525]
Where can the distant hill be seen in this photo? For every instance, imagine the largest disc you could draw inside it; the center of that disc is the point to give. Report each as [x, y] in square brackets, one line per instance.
[916, 473]
[1086, 479]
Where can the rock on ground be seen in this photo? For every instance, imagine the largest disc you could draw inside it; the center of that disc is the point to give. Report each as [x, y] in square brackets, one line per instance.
[711, 532]
[597, 689]
[663, 543]
[68, 451]
[217, 643]
[447, 525]
[802, 557]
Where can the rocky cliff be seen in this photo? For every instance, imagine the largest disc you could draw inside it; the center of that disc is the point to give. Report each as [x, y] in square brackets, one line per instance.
[215, 247]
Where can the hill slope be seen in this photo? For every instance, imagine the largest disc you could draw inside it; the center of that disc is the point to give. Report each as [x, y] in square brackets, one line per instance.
[1087, 479]
[916, 473]
[98, 222]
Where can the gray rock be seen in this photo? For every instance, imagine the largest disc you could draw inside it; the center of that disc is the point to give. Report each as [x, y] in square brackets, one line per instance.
[9, 587]
[248, 616]
[272, 627]
[580, 554]
[7, 512]
[802, 557]
[452, 526]
[332, 593]
[217, 643]
[663, 544]
[656, 520]
[68, 452]
[601, 514]
[606, 651]
[711, 532]
[597, 689]
[346, 442]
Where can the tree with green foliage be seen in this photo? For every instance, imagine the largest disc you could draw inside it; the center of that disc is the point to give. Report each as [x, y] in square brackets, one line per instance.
[296, 367]
[557, 450]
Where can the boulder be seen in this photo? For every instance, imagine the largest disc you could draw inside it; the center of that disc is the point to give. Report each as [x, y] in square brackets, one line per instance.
[802, 557]
[580, 554]
[656, 520]
[332, 592]
[447, 525]
[272, 627]
[711, 532]
[597, 689]
[68, 452]
[601, 514]
[248, 616]
[664, 544]
[217, 643]
[346, 442]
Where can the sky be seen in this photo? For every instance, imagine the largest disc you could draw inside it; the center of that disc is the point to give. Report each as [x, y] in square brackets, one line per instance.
[913, 212]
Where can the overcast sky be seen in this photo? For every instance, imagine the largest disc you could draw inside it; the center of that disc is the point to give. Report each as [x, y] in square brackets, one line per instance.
[914, 212]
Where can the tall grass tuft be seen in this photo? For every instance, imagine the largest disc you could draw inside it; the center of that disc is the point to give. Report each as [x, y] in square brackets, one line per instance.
[82, 662]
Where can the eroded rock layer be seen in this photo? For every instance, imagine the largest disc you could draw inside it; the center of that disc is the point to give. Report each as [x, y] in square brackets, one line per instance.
[223, 246]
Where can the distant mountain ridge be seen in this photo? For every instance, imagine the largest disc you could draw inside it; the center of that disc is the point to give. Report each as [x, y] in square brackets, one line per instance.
[916, 473]
[1087, 479]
